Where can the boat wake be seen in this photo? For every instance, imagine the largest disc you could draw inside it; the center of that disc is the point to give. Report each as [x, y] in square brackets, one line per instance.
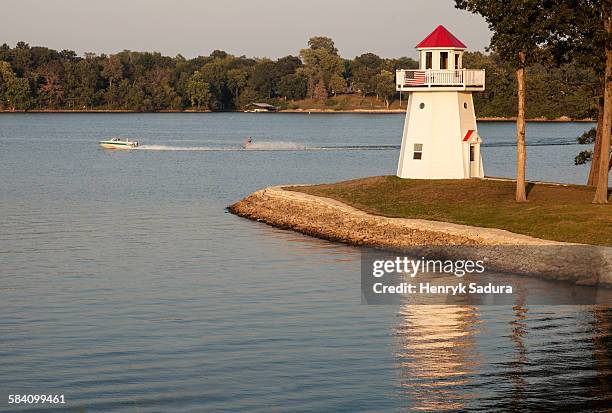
[267, 146]
[275, 146]
[533, 142]
[183, 148]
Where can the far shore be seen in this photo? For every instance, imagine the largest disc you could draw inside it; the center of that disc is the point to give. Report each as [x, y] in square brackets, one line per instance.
[297, 111]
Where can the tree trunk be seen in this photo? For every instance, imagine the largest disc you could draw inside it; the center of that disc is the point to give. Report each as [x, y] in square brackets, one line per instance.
[521, 154]
[594, 171]
[601, 194]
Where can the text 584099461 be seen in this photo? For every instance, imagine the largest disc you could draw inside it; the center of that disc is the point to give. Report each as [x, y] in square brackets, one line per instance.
[36, 399]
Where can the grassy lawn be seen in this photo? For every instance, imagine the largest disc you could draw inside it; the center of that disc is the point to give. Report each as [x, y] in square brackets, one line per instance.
[560, 213]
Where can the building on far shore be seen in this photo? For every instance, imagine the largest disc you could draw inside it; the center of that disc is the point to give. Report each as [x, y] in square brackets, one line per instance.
[260, 107]
[440, 139]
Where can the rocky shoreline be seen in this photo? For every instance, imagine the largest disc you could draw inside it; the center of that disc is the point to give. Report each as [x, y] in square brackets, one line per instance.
[509, 252]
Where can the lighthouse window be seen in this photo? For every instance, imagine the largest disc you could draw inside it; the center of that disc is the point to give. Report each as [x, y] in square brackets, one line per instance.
[472, 153]
[418, 151]
[465, 105]
[443, 60]
[421, 105]
[428, 60]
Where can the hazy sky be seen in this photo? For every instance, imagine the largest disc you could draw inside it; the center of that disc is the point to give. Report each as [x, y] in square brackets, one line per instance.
[264, 28]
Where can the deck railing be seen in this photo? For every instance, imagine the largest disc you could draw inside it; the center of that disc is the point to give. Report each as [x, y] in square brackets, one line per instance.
[464, 78]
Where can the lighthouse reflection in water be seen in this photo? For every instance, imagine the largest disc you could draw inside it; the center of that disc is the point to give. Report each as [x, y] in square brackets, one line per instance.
[454, 358]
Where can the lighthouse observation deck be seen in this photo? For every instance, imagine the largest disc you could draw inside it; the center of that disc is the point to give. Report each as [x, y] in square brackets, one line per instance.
[440, 80]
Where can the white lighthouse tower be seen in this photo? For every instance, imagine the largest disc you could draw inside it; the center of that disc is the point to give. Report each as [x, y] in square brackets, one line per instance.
[440, 138]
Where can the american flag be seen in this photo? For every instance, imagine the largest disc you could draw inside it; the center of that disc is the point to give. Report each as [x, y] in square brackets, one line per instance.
[413, 78]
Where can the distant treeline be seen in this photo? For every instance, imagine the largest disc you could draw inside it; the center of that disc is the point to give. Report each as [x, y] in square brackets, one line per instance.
[43, 78]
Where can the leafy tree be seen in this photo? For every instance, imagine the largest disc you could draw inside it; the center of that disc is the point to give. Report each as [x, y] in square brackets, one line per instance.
[18, 93]
[321, 61]
[580, 39]
[287, 65]
[400, 63]
[159, 90]
[22, 59]
[320, 92]
[247, 96]
[519, 28]
[584, 33]
[587, 137]
[113, 71]
[15, 91]
[50, 86]
[337, 84]
[323, 43]
[236, 80]
[263, 77]
[363, 69]
[384, 84]
[83, 82]
[499, 98]
[293, 86]
[69, 55]
[199, 90]
[215, 74]
[6, 74]
[135, 96]
[219, 54]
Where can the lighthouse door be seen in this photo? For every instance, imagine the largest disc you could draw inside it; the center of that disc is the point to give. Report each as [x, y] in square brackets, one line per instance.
[474, 157]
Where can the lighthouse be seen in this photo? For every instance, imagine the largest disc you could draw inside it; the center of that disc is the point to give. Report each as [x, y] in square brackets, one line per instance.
[440, 139]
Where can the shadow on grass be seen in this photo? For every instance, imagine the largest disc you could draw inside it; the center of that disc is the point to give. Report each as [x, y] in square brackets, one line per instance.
[530, 186]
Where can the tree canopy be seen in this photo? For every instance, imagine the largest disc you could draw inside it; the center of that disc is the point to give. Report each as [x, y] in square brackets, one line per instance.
[43, 78]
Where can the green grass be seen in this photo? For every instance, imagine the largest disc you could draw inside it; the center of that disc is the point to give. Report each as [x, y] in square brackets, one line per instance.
[554, 212]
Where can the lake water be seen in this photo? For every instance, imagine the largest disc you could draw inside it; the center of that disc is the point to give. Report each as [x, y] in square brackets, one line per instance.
[125, 286]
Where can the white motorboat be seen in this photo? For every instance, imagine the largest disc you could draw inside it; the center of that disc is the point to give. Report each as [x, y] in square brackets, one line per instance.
[118, 143]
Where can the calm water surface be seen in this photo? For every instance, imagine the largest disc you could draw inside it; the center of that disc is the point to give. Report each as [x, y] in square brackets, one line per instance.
[125, 286]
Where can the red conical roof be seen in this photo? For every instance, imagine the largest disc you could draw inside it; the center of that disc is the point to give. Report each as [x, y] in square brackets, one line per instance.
[441, 37]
